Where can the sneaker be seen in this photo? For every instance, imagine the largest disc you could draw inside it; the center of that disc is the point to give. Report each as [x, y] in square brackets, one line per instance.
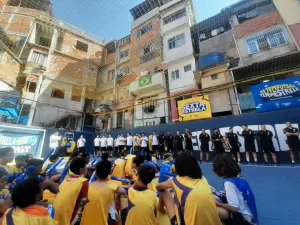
[267, 164]
[239, 162]
[200, 161]
[206, 161]
[293, 163]
[276, 164]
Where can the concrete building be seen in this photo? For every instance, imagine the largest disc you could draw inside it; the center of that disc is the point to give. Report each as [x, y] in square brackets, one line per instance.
[290, 11]
[247, 40]
[176, 18]
[59, 63]
[149, 88]
[266, 48]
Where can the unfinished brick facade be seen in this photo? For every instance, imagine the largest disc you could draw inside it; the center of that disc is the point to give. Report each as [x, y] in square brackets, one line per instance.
[258, 24]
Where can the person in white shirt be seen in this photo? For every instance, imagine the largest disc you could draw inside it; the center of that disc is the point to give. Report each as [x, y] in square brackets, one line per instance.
[121, 143]
[117, 144]
[129, 142]
[54, 139]
[97, 141]
[155, 145]
[144, 144]
[103, 143]
[110, 144]
[81, 144]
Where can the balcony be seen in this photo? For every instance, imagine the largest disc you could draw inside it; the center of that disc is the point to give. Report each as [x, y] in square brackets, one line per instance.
[149, 56]
[148, 85]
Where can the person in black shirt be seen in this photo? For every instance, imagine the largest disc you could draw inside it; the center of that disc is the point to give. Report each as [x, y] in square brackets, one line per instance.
[169, 141]
[204, 140]
[161, 143]
[292, 135]
[267, 143]
[188, 140]
[249, 138]
[179, 142]
[235, 144]
[217, 140]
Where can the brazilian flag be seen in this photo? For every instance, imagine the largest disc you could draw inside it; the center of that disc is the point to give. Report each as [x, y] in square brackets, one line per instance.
[144, 81]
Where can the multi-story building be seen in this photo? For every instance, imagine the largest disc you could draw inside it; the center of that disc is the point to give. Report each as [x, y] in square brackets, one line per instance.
[245, 43]
[150, 86]
[266, 48]
[176, 18]
[59, 64]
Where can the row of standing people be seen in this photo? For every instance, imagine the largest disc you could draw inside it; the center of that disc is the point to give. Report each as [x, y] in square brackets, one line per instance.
[161, 143]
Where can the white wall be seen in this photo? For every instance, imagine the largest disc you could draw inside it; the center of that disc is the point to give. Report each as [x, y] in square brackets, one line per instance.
[169, 4]
[186, 79]
[179, 22]
[49, 113]
[268, 54]
[144, 18]
[161, 110]
[182, 51]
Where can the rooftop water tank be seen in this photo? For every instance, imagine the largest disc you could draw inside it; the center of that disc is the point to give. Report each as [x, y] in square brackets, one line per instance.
[210, 60]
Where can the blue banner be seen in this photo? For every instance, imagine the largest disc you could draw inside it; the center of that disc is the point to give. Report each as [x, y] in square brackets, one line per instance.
[22, 140]
[277, 95]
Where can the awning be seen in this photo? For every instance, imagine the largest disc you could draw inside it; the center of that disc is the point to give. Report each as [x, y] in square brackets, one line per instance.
[275, 65]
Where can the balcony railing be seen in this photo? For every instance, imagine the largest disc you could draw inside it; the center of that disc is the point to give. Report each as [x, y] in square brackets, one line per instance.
[149, 56]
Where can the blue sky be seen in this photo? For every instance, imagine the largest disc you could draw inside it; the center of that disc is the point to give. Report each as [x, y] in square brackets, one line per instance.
[111, 19]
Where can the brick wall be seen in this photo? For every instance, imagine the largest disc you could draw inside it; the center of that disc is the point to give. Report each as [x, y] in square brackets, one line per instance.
[258, 24]
[9, 69]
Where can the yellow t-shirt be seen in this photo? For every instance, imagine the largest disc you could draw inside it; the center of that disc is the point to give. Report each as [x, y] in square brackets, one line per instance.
[96, 210]
[17, 170]
[196, 204]
[141, 207]
[33, 215]
[118, 168]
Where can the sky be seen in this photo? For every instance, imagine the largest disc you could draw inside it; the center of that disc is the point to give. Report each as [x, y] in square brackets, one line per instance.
[110, 19]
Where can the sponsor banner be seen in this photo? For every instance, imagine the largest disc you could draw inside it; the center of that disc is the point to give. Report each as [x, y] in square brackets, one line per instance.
[22, 140]
[277, 95]
[194, 108]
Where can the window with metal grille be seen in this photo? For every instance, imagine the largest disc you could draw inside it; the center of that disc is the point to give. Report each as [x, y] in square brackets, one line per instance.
[176, 41]
[144, 30]
[82, 46]
[187, 68]
[43, 41]
[148, 53]
[265, 41]
[124, 53]
[214, 77]
[174, 16]
[124, 71]
[110, 75]
[39, 58]
[175, 74]
[58, 93]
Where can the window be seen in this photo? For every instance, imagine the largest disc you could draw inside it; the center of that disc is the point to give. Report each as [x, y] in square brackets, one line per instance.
[39, 58]
[76, 94]
[144, 30]
[2, 54]
[124, 54]
[298, 1]
[175, 16]
[166, 1]
[187, 68]
[82, 46]
[175, 74]
[110, 75]
[124, 71]
[148, 52]
[58, 93]
[176, 41]
[30, 86]
[265, 41]
[21, 42]
[214, 77]
[46, 42]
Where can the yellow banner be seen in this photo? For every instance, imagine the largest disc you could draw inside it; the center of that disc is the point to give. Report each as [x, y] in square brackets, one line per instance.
[194, 108]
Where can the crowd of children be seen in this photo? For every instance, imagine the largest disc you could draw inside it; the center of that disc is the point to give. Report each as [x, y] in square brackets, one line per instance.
[96, 197]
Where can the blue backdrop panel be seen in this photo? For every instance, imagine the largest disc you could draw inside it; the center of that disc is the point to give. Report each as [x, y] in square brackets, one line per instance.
[277, 95]
[274, 121]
